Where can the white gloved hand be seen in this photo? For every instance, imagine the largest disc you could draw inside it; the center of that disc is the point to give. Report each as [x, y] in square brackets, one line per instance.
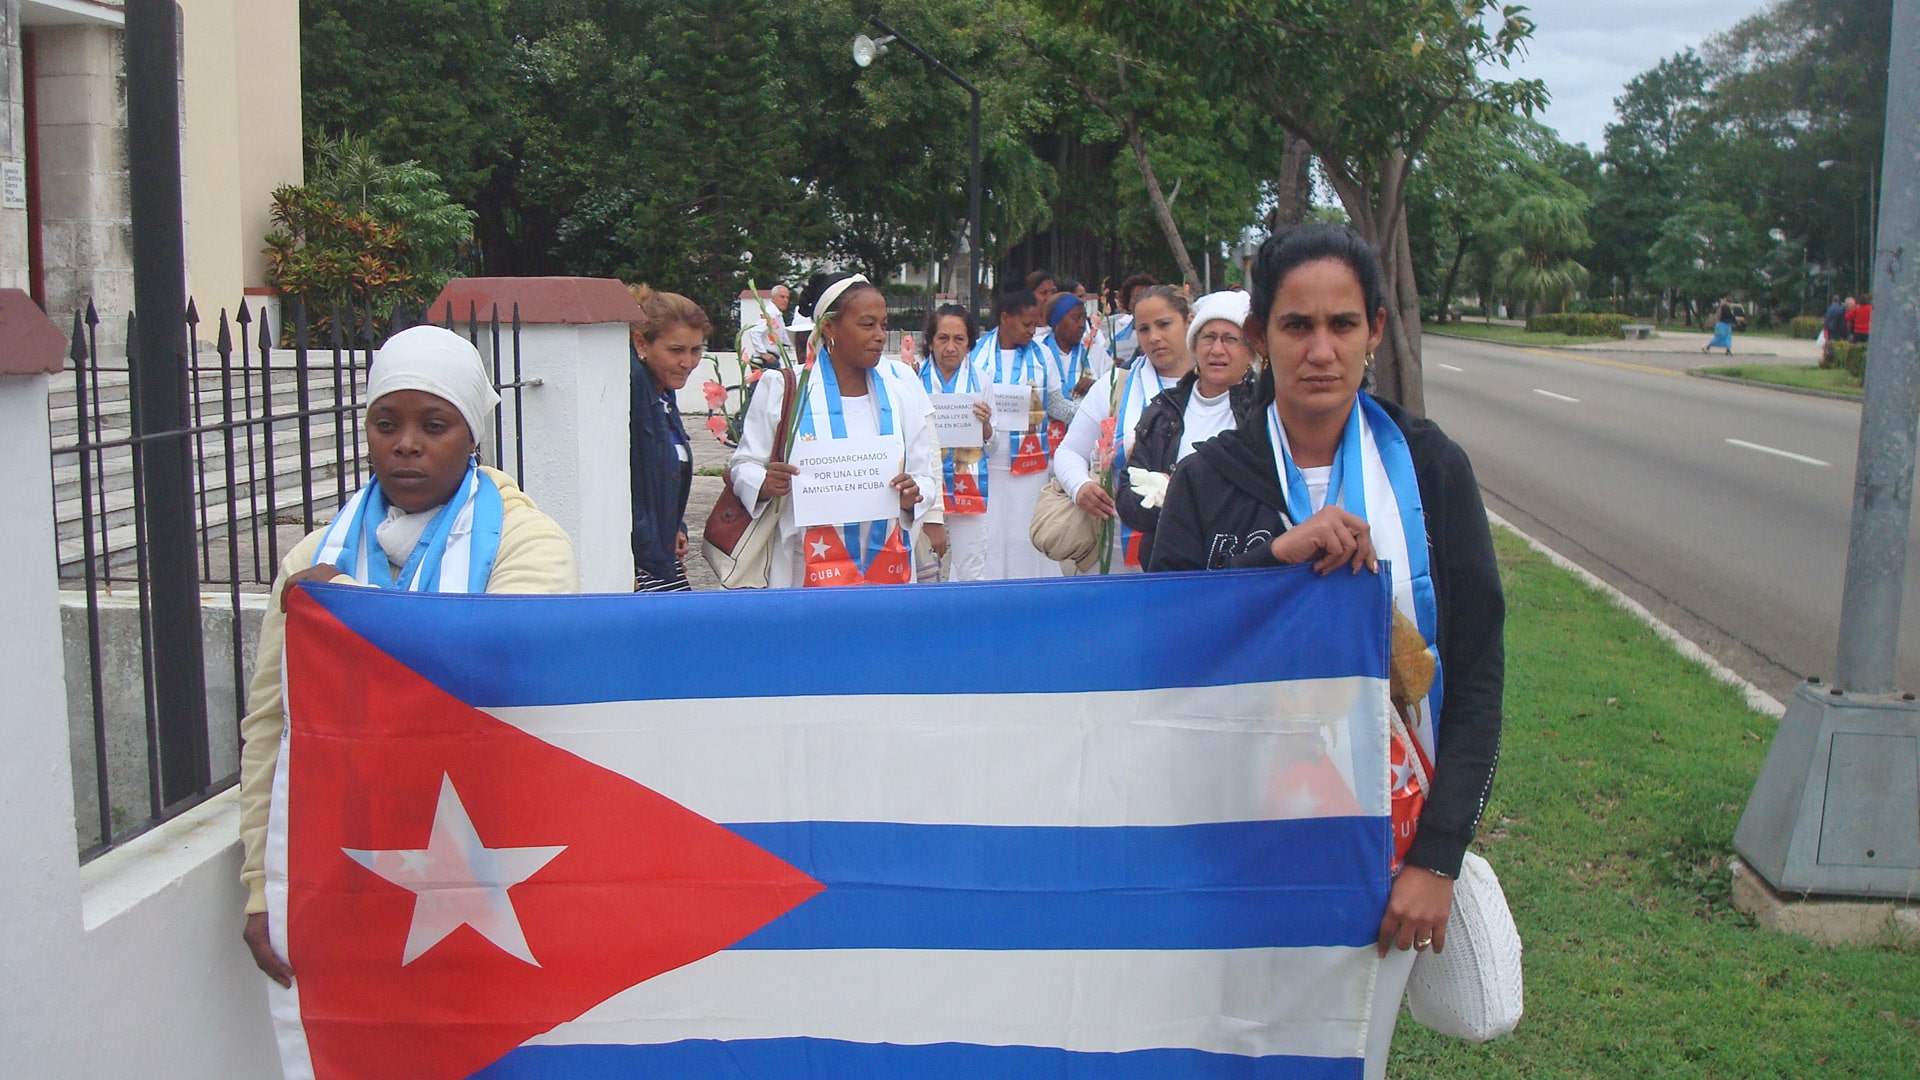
[1150, 486]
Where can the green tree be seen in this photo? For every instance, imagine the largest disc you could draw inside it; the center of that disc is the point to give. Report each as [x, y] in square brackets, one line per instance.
[1650, 155]
[1705, 251]
[420, 80]
[1363, 82]
[1543, 234]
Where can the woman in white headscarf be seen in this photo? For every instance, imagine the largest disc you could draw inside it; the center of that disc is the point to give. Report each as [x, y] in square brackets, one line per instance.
[432, 519]
[847, 391]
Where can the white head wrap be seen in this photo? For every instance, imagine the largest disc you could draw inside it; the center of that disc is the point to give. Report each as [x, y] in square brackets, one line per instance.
[830, 296]
[1231, 306]
[440, 362]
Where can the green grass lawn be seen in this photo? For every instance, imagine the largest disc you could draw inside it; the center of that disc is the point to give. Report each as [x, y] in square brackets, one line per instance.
[1806, 377]
[1622, 774]
[1511, 335]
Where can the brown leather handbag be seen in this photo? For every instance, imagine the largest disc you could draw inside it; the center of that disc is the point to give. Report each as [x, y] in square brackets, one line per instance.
[739, 546]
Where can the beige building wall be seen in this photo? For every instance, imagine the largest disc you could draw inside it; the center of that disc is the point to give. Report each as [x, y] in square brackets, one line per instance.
[241, 70]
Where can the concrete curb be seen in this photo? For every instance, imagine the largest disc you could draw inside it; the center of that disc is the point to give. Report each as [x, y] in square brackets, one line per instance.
[1592, 346]
[1757, 699]
[1803, 391]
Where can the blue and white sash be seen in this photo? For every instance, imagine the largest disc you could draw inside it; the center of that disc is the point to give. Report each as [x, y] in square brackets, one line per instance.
[823, 399]
[1069, 366]
[1029, 366]
[454, 555]
[1140, 384]
[1125, 345]
[1373, 479]
[966, 380]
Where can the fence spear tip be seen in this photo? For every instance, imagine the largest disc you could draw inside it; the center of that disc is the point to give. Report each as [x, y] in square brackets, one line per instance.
[225, 342]
[77, 349]
[193, 313]
[243, 316]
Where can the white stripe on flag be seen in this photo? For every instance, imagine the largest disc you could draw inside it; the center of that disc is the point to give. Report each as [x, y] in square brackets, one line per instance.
[1154, 757]
[1310, 1002]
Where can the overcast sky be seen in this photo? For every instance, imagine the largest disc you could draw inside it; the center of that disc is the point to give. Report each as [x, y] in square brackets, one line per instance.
[1586, 50]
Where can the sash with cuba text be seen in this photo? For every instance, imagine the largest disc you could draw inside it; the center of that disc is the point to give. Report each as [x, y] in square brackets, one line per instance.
[519, 837]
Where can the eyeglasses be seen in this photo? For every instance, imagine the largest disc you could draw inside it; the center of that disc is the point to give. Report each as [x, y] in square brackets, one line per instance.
[1231, 341]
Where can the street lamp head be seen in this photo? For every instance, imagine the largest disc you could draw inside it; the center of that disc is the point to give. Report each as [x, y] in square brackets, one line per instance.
[866, 50]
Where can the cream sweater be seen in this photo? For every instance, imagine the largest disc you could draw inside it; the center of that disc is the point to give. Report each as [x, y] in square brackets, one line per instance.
[535, 557]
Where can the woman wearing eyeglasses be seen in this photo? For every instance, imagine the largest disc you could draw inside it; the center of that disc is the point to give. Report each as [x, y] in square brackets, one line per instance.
[1214, 397]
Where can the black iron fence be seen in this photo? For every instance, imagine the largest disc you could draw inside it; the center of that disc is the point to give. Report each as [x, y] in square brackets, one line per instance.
[274, 444]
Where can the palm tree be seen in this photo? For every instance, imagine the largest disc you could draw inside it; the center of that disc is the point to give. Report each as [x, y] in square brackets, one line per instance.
[1544, 232]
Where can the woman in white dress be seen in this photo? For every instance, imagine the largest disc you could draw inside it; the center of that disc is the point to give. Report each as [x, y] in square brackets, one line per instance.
[964, 490]
[847, 393]
[1121, 396]
[1020, 463]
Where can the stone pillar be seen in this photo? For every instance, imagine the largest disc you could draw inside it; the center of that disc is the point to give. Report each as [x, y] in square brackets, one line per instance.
[13, 150]
[574, 356]
[85, 228]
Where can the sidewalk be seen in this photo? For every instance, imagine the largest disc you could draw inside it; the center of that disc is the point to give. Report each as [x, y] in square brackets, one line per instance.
[1681, 349]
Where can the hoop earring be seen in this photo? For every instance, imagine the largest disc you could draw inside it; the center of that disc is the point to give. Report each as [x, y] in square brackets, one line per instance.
[1369, 361]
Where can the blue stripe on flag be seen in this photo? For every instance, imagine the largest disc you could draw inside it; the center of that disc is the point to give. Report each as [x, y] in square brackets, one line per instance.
[497, 651]
[766, 1059]
[1233, 885]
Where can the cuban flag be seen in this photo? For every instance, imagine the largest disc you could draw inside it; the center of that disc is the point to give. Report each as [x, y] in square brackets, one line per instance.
[879, 833]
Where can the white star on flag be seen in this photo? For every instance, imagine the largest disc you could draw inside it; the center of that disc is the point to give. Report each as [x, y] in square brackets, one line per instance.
[819, 549]
[457, 881]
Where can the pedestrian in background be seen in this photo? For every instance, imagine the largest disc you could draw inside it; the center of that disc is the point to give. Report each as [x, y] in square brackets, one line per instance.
[667, 346]
[1860, 319]
[1722, 327]
[1833, 328]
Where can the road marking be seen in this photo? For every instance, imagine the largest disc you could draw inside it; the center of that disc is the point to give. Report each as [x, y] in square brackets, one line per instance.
[1556, 397]
[1788, 454]
[1450, 367]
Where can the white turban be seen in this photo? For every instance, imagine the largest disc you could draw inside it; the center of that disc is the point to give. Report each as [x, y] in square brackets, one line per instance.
[1231, 306]
[440, 362]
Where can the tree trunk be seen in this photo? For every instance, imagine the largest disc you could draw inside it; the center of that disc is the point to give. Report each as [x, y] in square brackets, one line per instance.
[1293, 188]
[1379, 214]
[1162, 210]
[1453, 272]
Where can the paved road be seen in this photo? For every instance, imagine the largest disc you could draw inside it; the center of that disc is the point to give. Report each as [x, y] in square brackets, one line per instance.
[1722, 508]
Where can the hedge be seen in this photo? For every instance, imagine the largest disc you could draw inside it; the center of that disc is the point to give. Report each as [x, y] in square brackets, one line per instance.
[1806, 326]
[1849, 357]
[1580, 324]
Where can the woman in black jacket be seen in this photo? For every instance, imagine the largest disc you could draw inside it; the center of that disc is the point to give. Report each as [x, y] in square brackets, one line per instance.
[1217, 395]
[667, 346]
[1307, 483]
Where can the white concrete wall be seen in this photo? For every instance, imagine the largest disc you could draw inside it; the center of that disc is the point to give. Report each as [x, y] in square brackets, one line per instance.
[577, 441]
[131, 965]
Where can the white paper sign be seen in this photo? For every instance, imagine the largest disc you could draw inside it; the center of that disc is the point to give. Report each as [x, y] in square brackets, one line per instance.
[13, 185]
[954, 424]
[1011, 404]
[843, 481]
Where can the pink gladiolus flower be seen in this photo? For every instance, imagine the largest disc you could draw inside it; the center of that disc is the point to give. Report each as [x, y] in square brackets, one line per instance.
[755, 376]
[718, 425]
[716, 394]
[1103, 450]
[907, 352]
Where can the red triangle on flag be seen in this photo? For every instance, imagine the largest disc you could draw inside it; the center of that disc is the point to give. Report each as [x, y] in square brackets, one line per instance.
[643, 885]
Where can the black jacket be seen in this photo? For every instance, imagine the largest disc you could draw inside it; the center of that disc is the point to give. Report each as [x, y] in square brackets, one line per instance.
[1155, 445]
[661, 481]
[1224, 508]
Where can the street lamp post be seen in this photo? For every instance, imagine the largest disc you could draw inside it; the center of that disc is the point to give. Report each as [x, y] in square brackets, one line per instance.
[1836, 809]
[865, 52]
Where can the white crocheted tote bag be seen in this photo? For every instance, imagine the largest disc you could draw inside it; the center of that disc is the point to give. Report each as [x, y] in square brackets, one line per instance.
[1472, 989]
